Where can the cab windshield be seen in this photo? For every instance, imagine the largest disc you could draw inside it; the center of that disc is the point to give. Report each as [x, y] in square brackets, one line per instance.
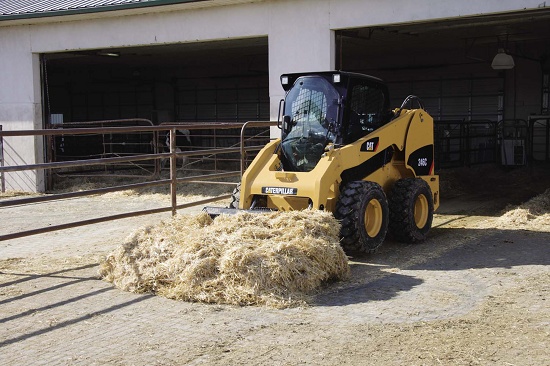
[312, 105]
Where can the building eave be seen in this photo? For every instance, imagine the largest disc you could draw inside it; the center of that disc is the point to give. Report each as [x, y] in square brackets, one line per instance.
[32, 17]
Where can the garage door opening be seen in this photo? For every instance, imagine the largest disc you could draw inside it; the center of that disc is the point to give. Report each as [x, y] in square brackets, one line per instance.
[217, 81]
[483, 115]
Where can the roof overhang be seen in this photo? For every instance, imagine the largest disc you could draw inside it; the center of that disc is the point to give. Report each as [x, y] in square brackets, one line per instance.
[91, 9]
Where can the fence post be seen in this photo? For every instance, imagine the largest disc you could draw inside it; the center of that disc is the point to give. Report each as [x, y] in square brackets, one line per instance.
[215, 156]
[243, 151]
[173, 169]
[2, 178]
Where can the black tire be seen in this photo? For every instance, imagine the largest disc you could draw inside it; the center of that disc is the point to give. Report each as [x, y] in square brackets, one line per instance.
[363, 212]
[235, 197]
[411, 210]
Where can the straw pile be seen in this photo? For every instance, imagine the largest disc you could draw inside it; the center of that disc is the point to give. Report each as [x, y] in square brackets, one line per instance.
[533, 214]
[274, 259]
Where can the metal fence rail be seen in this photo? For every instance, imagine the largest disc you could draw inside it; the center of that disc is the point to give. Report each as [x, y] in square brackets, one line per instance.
[465, 143]
[540, 137]
[172, 155]
[506, 142]
[91, 145]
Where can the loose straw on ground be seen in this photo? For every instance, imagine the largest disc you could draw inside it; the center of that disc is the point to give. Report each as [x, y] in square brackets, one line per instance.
[533, 214]
[275, 259]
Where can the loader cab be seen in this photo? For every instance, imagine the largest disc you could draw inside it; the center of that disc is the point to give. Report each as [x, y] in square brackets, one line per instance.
[328, 107]
[367, 107]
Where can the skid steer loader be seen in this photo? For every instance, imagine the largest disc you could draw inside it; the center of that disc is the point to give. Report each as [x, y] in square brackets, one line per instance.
[343, 150]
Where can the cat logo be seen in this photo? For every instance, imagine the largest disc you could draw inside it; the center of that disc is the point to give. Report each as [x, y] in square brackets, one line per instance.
[280, 190]
[370, 145]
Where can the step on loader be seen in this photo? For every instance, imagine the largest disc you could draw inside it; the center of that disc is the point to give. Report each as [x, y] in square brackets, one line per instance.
[342, 149]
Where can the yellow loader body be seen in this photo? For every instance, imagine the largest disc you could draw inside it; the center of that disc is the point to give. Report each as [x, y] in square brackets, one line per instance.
[319, 188]
[342, 149]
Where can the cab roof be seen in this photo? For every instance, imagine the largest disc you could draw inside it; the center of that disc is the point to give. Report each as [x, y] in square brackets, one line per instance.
[345, 78]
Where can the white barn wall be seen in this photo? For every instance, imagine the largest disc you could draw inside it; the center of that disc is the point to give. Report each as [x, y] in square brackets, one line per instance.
[20, 106]
[20, 46]
[357, 13]
[300, 33]
[152, 29]
[299, 40]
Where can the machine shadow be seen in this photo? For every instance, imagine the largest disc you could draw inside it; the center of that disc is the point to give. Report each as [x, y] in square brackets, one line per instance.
[367, 283]
[488, 248]
[372, 279]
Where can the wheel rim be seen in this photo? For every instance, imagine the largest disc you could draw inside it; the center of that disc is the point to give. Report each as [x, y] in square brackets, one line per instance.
[373, 218]
[421, 211]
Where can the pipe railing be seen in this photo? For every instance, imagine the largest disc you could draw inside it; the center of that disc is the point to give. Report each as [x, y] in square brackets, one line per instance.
[173, 155]
[455, 142]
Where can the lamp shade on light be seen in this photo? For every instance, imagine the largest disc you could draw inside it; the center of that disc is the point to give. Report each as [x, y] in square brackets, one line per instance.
[502, 61]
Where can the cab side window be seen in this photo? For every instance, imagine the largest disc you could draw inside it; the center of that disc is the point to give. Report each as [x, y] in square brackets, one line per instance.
[366, 111]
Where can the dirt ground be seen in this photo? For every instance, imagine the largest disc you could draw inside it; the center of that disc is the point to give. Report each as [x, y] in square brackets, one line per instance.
[475, 293]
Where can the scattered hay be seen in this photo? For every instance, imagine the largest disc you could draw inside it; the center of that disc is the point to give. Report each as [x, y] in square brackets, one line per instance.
[11, 194]
[186, 192]
[533, 214]
[274, 259]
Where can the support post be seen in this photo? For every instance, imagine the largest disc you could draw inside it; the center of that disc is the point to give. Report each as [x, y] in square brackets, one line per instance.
[2, 178]
[173, 170]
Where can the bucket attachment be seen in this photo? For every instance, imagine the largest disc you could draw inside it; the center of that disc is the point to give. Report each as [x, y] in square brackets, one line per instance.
[214, 212]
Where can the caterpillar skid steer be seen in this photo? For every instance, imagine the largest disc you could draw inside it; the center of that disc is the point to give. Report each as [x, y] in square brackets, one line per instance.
[342, 149]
